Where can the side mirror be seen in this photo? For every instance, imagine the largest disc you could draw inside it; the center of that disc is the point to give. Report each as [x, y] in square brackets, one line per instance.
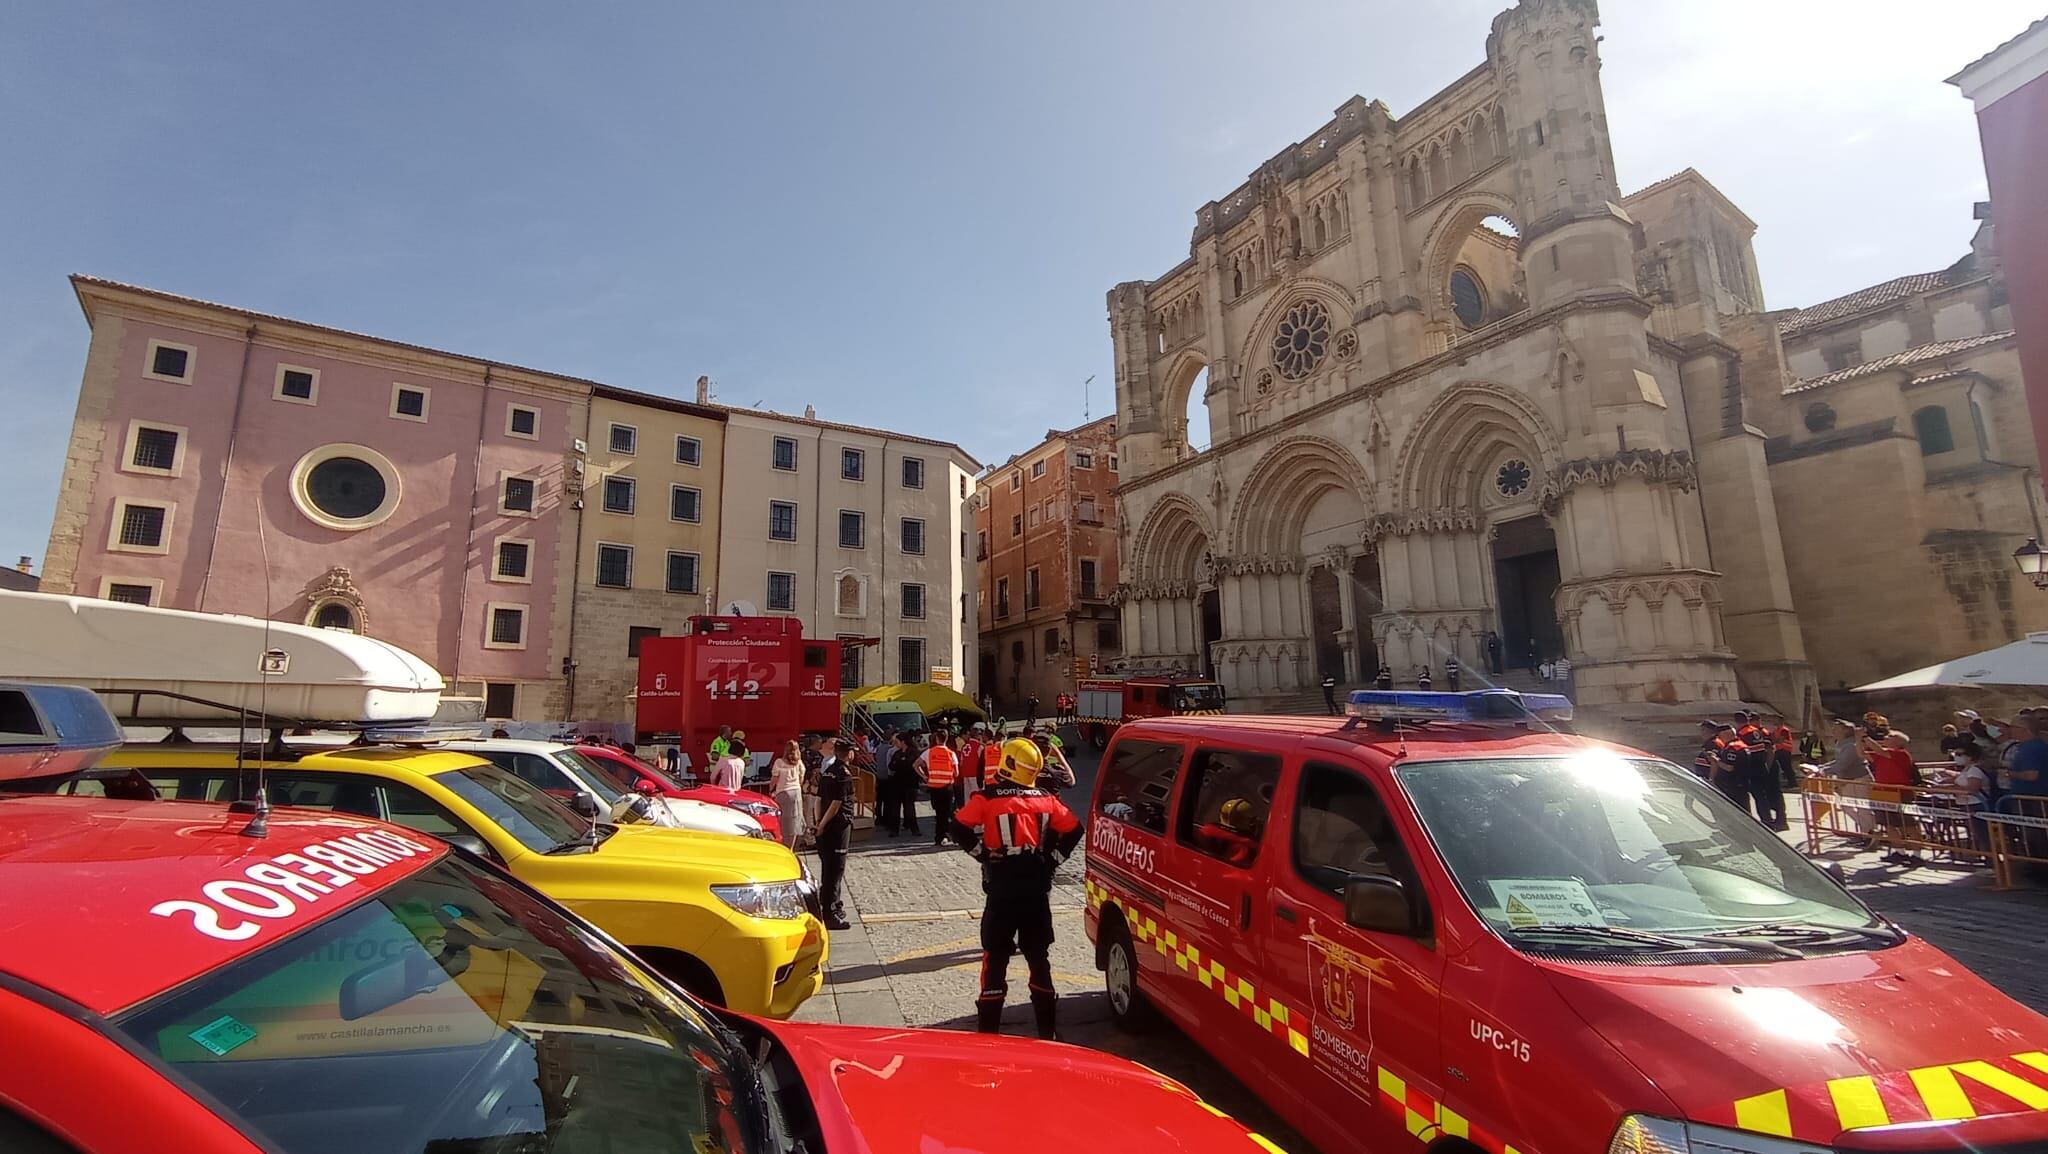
[1380, 904]
[584, 804]
[469, 843]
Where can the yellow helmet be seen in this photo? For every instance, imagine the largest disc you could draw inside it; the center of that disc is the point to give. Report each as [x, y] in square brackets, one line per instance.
[1022, 761]
[1235, 815]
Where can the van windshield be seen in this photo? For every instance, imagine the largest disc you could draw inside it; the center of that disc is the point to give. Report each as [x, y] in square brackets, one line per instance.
[1623, 853]
[453, 1012]
[1198, 697]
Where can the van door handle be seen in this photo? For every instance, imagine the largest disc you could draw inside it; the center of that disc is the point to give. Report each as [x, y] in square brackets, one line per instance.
[1244, 911]
[1285, 913]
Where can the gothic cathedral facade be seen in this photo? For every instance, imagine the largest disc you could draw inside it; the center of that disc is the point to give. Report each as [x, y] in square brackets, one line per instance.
[1460, 406]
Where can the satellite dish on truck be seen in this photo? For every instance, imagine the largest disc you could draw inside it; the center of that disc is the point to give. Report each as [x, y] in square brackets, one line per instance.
[741, 609]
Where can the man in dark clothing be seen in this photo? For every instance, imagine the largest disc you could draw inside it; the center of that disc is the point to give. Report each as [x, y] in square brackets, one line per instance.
[1493, 652]
[835, 831]
[899, 810]
[1451, 672]
[1031, 709]
[1330, 694]
[1759, 776]
[1385, 678]
[1020, 834]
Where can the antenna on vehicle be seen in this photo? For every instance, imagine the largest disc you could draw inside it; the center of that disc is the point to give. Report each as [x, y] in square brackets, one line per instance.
[1084, 397]
[259, 823]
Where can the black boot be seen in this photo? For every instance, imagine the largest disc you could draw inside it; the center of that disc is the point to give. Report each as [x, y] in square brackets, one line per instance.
[989, 1017]
[1046, 1008]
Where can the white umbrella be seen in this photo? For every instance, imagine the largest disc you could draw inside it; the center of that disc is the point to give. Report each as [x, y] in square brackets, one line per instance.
[2022, 663]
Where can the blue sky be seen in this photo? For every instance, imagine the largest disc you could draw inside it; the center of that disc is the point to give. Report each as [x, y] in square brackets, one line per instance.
[906, 212]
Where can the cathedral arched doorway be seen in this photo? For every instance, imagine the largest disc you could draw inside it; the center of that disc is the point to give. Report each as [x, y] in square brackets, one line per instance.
[1211, 629]
[1525, 579]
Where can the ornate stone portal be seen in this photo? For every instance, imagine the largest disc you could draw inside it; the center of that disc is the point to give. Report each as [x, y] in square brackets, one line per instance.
[1437, 412]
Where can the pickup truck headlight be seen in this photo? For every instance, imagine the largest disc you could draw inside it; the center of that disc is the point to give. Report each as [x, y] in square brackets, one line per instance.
[764, 899]
[1647, 1134]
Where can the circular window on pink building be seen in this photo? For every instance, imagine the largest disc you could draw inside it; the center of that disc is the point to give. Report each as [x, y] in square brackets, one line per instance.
[345, 487]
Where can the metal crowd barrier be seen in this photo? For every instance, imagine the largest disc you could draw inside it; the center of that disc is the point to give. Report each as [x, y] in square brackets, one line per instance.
[1928, 818]
[2018, 828]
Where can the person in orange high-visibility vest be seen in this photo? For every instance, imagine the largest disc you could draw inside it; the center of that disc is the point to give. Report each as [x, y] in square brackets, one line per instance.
[991, 762]
[939, 766]
[1020, 834]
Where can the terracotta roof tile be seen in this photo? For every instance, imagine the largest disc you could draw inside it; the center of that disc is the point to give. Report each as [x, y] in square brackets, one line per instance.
[1912, 356]
[1864, 300]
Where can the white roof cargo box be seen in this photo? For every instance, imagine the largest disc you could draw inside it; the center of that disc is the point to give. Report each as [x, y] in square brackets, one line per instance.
[171, 667]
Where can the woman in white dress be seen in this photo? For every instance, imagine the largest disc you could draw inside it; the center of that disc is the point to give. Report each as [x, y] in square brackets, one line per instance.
[786, 785]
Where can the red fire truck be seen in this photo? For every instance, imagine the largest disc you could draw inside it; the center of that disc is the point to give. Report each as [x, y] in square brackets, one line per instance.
[1107, 702]
[757, 674]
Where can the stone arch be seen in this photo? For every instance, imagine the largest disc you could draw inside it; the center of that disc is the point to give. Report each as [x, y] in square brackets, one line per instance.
[1180, 377]
[1447, 236]
[1285, 485]
[1253, 351]
[1460, 434]
[1171, 540]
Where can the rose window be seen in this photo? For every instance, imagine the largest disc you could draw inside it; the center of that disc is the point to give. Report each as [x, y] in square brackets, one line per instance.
[1513, 478]
[1301, 340]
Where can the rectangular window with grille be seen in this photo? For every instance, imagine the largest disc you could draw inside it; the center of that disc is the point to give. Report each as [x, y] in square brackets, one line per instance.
[913, 472]
[130, 594]
[508, 626]
[296, 384]
[618, 494]
[853, 529]
[783, 456]
[1088, 590]
[782, 592]
[518, 497]
[155, 449]
[409, 403]
[513, 558]
[853, 465]
[682, 572]
[781, 521]
[625, 439]
[142, 526]
[911, 596]
[910, 667]
[1083, 459]
[521, 421]
[1031, 587]
[635, 634]
[689, 451]
[850, 650]
[913, 535]
[171, 362]
[615, 566]
[685, 503]
[1002, 597]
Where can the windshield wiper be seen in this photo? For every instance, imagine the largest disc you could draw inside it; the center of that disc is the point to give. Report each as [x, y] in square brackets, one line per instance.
[751, 1085]
[1662, 941]
[590, 840]
[1812, 932]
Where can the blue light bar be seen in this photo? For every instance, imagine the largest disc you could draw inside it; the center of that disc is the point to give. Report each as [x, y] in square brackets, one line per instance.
[1476, 707]
[425, 734]
[52, 730]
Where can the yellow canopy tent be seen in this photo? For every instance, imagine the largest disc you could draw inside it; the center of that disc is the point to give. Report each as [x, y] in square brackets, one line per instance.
[931, 698]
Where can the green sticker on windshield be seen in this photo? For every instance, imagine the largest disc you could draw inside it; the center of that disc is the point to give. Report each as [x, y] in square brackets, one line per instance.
[223, 1034]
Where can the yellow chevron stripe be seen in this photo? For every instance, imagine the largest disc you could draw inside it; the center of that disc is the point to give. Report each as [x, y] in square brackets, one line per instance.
[1857, 1103]
[1765, 1114]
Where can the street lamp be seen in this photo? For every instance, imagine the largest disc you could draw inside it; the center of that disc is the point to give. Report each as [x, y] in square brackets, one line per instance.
[2033, 562]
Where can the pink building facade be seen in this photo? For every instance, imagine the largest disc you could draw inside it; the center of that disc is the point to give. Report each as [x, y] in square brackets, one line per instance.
[234, 462]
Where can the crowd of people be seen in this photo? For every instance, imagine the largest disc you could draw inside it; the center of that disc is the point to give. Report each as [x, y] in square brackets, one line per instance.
[1985, 764]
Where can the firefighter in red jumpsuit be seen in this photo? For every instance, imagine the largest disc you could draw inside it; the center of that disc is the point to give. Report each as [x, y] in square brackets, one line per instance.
[1020, 834]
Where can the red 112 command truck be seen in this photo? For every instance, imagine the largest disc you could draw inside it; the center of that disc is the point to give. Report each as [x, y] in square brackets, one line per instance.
[1107, 702]
[756, 674]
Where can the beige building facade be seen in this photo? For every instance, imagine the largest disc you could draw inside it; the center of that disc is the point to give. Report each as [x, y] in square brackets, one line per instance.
[861, 533]
[652, 490]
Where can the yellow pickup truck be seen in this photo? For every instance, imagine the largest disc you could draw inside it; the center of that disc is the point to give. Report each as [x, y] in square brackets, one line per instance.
[724, 916]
